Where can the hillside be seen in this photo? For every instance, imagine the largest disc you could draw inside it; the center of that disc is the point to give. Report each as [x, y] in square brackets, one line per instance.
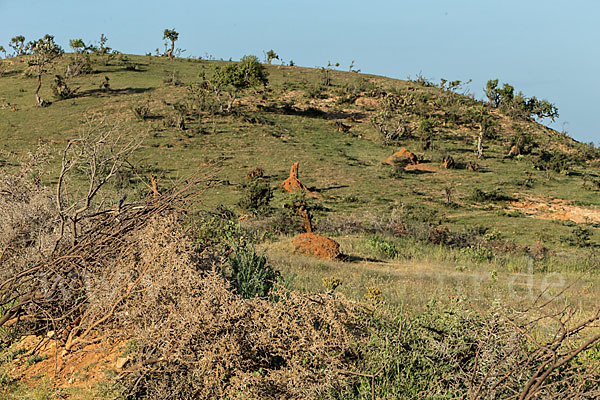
[296, 118]
[455, 228]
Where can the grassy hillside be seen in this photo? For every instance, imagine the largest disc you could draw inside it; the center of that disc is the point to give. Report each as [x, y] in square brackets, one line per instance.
[294, 119]
[514, 226]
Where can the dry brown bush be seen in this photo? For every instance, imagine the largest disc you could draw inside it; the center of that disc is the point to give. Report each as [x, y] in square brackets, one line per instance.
[28, 215]
[198, 339]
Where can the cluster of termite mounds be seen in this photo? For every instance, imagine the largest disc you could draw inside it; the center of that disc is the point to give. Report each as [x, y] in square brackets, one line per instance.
[309, 243]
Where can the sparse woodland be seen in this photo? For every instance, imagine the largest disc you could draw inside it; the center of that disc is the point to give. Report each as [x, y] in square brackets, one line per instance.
[150, 245]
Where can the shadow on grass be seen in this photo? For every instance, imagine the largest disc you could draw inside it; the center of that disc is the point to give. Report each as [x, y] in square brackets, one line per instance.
[329, 188]
[356, 259]
[418, 172]
[312, 112]
[153, 117]
[11, 73]
[113, 92]
[130, 67]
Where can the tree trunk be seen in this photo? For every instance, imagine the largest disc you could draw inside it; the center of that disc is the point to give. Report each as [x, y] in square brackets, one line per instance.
[171, 50]
[307, 218]
[38, 100]
[231, 100]
[480, 145]
[218, 96]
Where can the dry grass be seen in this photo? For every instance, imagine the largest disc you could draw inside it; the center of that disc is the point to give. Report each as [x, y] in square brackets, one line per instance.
[441, 274]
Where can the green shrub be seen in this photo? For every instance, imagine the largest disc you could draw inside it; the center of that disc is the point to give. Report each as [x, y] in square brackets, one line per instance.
[518, 104]
[172, 78]
[217, 232]
[141, 110]
[399, 167]
[579, 237]
[556, 161]
[61, 90]
[384, 247]
[234, 78]
[285, 221]
[523, 142]
[251, 276]
[477, 254]
[81, 64]
[481, 196]
[417, 354]
[36, 359]
[271, 55]
[316, 91]
[256, 196]
[426, 129]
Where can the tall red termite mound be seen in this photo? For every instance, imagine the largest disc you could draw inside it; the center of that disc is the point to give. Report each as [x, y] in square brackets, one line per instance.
[292, 183]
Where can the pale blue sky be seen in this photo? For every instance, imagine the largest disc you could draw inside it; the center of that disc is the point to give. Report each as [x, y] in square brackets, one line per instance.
[546, 48]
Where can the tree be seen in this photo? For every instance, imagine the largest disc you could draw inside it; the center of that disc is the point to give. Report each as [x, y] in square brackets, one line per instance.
[18, 45]
[236, 77]
[44, 51]
[77, 45]
[326, 73]
[491, 92]
[486, 130]
[103, 48]
[97, 156]
[271, 55]
[172, 35]
[2, 65]
[81, 62]
[507, 94]
[519, 103]
[100, 50]
[541, 108]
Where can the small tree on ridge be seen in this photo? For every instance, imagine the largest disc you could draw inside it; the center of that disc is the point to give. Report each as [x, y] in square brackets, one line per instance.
[271, 55]
[44, 51]
[18, 45]
[172, 35]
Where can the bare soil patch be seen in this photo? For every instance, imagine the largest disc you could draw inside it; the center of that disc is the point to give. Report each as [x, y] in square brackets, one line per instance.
[556, 209]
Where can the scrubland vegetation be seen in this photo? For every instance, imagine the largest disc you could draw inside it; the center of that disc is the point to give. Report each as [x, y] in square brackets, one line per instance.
[147, 247]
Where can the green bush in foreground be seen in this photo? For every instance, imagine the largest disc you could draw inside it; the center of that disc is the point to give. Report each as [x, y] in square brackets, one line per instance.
[251, 276]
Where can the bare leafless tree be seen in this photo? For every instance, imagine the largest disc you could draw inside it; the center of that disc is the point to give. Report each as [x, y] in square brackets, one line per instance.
[100, 151]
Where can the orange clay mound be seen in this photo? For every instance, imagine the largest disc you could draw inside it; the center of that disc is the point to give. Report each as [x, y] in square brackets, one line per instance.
[403, 153]
[292, 183]
[311, 244]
